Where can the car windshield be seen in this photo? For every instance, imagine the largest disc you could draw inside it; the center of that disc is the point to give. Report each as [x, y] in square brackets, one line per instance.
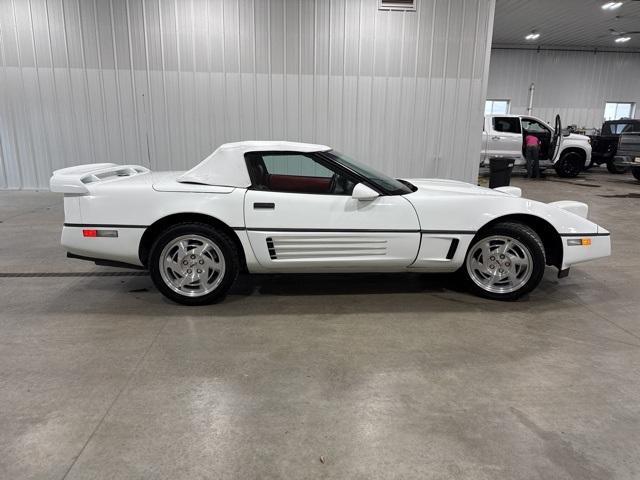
[617, 128]
[384, 182]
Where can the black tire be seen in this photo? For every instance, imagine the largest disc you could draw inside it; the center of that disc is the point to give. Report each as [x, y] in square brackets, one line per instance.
[528, 239]
[570, 164]
[613, 168]
[220, 239]
[635, 171]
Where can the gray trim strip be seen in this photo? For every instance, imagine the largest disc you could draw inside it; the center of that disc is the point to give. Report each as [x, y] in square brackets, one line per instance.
[454, 232]
[96, 225]
[585, 234]
[356, 230]
[330, 230]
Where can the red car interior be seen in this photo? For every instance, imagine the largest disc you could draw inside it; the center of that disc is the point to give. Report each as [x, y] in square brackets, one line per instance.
[298, 184]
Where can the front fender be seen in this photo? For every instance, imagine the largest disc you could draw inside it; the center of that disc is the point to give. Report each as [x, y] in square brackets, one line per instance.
[454, 211]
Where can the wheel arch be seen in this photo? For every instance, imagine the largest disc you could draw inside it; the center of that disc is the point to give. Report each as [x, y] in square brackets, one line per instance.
[574, 149]
[153, 230]
[571, 162]
[550, 237]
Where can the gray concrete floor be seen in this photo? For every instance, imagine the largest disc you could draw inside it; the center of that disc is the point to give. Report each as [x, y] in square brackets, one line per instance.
[369, 376]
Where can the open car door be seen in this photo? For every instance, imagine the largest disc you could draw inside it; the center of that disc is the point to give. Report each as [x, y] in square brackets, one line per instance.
[556, 140]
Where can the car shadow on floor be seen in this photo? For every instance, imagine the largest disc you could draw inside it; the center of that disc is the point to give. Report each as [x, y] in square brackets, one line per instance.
[344, 284]
[258, 295]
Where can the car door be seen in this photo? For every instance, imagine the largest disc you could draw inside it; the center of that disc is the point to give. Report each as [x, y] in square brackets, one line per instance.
[538, 129]
[556, 140]
[300, 216]
[505, 138]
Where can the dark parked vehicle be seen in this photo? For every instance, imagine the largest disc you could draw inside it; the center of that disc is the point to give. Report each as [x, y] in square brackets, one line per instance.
[604, 147]
[628, 154]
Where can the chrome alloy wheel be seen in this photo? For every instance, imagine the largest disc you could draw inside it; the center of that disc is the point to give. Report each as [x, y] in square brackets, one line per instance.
[192, 265]
[499, 264]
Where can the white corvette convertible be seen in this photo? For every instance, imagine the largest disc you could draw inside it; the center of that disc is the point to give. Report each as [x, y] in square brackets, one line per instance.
[277, 207]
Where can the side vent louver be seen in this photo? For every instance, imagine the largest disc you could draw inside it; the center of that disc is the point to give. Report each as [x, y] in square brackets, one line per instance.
[310, 247]
[272, 250]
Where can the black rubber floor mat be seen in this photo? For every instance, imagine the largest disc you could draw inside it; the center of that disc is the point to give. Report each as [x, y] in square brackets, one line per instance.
[72, 274]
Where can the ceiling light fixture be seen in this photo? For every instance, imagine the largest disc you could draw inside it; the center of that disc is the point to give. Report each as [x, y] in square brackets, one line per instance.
[622, 39]
[611, 5]
[532, 36]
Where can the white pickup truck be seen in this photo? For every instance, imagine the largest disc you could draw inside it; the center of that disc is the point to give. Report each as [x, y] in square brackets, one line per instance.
[503, 136]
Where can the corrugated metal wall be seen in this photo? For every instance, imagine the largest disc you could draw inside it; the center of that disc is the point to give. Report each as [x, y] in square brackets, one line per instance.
[575, 84]
[162, 83]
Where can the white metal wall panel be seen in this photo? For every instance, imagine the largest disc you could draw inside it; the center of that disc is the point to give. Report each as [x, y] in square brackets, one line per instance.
[164, 82]
[575, 84]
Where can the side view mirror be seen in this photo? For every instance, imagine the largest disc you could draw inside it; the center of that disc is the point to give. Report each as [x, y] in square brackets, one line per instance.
[362, 192]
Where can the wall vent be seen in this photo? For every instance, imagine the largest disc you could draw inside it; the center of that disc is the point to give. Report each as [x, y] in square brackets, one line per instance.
[397, 5]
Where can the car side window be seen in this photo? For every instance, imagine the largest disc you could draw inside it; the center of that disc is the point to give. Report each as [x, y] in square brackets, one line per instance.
[624, 128]
[295, 173]
[295, 164]
[616, 128]
[534, 126]
[507, 124]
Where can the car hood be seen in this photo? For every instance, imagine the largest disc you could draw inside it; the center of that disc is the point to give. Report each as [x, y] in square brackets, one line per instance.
[452, 187]
[578, 137]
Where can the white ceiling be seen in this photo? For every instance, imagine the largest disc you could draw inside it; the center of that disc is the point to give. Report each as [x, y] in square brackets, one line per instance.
[566, 23]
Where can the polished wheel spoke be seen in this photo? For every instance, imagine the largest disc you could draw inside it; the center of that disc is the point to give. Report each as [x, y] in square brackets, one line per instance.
[210, 263]
[182, 249]
[475, 264]
[173, 263]
[519, 262]
[199, 250]
[504, 248]
[486, 253]
[186, 280]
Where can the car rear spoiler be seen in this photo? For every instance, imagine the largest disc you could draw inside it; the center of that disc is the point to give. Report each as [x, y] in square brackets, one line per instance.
[76, 179]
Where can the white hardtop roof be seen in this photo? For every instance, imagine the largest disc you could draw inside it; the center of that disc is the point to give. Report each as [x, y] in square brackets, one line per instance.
[226, 166]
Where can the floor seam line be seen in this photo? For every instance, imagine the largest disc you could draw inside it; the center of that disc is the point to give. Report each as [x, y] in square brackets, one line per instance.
[72, 274]
[126, 384]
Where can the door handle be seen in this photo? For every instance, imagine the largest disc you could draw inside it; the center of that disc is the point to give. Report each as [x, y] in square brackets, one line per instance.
[496, 138]
[264, 206]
